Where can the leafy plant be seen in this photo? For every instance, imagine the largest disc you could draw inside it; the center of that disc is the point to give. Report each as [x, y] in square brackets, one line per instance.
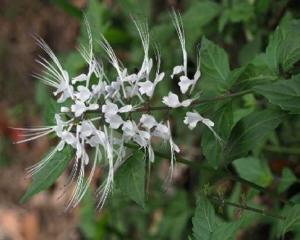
[248, 92]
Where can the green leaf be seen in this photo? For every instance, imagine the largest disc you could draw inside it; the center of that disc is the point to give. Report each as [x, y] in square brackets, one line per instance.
[176, 217]
[287, 179]
[214, 65]
[241, 11]
[284, 93]
[254, 73]
[212, 149]
[46, 176]
[250, 131]
[130, 178]
[196, 17]
[225, 231]
[204, 220]
[207, 226]
[291, 222]
[254, 170]
[68, 8]
[283, 50]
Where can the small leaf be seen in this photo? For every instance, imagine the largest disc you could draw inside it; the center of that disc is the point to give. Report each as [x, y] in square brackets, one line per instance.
[284, 93]
[254, 170]
[283, 50]
[291, 221]
[204, 220]
[214, 65]
[176, 217]
[254, 73]
[212, 149]
[46, 176]
[207, 226]
[196, 17]
[130, 178]
[287, 179]
[250, 131]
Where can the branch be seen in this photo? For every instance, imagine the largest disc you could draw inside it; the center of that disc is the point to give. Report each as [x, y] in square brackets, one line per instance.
[246, 207]
[195, 103]
[278, 149]
[219, 172]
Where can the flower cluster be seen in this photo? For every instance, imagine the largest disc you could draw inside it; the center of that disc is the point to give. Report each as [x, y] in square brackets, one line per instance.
[97, 110]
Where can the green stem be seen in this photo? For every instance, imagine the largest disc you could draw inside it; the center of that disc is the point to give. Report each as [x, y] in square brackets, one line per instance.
[246, 207]
[219, 172]
[195, 103]
[278, 149]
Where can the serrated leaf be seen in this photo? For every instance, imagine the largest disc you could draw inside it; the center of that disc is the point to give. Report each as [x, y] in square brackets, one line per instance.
[130, 178]
[254, 170]
[214, 65]
[250, 131]
[254, 73]
[212, 149]
[46, 176]
[284, 93]
[283, 50]
[291, 221]
[204, 220]
[196, 17]
[207, 226]
[176, 217]
[287, 179]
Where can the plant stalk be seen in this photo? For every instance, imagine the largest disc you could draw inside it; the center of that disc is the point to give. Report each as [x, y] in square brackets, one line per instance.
[246, 207]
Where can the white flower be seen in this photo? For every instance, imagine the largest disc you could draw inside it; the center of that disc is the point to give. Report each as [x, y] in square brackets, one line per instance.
[79, 108]
[177, 70]
[185, 82]
[80, 78]
[98, 138]
[192, 118]
[83, 93]
[131, 131]
[162, 131]
[148, 121]
[172, 101]
[148, 86]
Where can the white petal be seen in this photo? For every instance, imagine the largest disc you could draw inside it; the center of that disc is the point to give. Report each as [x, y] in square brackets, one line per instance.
[79, 78]
[185, 83]
[148, 121]
[83, 93]
[177, 70]
[93, 106]
[146, 88]
[115, 121]
[186, 102]
[110, 108]
[126, 108]
[171, 100]
[159, 77]
[197, 76]
[78, 108]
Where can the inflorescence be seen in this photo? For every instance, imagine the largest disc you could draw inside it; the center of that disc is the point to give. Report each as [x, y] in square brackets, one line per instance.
[96, 110]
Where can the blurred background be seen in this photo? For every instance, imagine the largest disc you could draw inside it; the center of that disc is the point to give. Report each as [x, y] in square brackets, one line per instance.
[241, 27]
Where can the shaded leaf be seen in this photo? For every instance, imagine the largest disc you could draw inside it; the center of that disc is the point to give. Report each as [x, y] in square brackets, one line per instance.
[287, 179]
[214, 65]
[207, 226]
[250, 131]
[291, 222]
[283, 50]
[130, 178]
[212, 148]
[254, 170]
[284, 93]
[46, 176]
